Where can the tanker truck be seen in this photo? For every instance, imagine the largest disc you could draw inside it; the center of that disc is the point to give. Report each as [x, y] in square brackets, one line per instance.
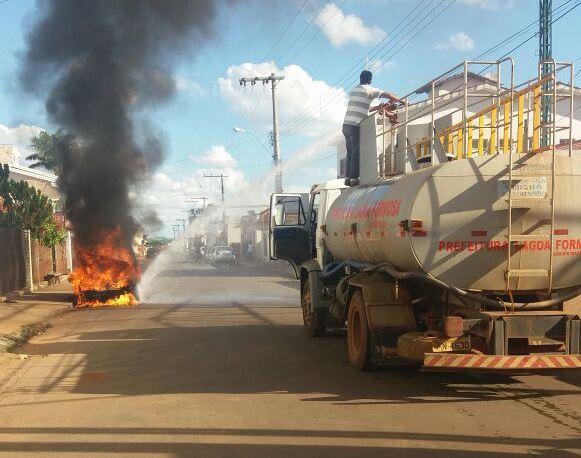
[461, 246]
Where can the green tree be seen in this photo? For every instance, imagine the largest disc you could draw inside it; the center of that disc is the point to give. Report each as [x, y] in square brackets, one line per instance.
[46, 147]
[24, 207]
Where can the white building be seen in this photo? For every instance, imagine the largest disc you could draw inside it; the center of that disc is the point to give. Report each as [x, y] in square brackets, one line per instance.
[448, 103]
[42, 180]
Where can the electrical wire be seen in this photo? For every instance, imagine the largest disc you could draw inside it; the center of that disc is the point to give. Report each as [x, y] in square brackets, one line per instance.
[290, 23]
[307, 27]
[408, 25]
[321, 27]
[306, 118]
[420, 113]
[337, 89]
[431, 16]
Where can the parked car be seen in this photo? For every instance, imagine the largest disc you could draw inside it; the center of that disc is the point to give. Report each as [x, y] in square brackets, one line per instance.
[223, 255]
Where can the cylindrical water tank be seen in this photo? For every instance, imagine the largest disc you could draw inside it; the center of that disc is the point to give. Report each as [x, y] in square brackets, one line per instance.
[451, 221]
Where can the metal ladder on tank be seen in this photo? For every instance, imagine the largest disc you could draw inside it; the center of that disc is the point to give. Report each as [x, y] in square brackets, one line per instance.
[549, 129]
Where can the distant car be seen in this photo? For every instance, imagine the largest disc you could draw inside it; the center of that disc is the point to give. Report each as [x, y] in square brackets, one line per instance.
[223, 255]
[153, 251]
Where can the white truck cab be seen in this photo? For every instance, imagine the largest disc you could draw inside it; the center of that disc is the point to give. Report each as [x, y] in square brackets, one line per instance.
[296, 221]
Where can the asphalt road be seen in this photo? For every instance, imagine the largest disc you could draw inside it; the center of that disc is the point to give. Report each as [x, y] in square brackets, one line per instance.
[216, 363]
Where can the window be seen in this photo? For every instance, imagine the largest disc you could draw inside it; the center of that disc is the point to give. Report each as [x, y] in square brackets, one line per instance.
[315, 209]
[288, 211]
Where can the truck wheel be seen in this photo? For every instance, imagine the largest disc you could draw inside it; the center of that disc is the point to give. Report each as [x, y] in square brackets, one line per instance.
[314, 321]
[358, 342]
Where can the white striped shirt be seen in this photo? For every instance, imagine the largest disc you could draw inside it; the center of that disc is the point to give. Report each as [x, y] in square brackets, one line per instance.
[360, 99]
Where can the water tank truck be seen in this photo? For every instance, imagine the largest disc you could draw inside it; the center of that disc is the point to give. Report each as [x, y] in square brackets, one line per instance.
[461, 246]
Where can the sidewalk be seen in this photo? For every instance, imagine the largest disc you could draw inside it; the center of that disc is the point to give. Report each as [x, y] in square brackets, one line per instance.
[28, 314]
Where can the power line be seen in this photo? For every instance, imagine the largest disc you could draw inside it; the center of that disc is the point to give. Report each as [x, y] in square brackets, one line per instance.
[291, 22]
[404, 25]
[356, 66]
[420, 25]
[255, 101]
[304, 119]
[420, 113]
[307, 27]
[321, 27]
[418, 32]
[338, 85]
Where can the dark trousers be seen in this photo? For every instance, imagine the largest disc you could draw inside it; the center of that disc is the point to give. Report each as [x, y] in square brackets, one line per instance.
[352, 142]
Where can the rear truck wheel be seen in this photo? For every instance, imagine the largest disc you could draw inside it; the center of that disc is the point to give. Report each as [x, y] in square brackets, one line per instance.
[313, 320]
[358, 338]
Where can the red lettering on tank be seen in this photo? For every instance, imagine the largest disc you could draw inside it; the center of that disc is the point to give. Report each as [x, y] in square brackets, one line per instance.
[379, 209]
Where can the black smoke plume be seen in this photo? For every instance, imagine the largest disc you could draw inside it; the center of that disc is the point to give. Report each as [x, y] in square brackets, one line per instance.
[100, 64]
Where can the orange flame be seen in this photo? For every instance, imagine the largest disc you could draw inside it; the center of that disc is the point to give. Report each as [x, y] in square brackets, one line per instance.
[106, 267]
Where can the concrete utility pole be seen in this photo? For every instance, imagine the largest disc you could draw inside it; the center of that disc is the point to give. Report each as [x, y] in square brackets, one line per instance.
[545, 53]
[183, 221]
[221, 176]
[272, 79]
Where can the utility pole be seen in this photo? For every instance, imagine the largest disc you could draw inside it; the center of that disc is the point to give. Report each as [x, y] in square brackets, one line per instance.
[272, 79]
[183, 221]
[221, 176]
[545, 54]
[176, 230]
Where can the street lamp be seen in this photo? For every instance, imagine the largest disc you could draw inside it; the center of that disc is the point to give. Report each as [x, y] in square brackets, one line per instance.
[240, 130]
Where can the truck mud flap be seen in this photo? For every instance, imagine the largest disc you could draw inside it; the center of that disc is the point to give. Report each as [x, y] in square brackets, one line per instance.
[450, 361]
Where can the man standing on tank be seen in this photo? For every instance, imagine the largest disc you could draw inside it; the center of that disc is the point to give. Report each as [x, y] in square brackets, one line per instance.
[360, 99]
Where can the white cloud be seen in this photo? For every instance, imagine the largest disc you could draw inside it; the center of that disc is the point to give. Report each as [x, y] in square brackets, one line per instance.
[188, 85]
[19, 137]
[488, 4]
[298, 96]
[341, 29]
[168, 191]
[217, 156]
[458, 41]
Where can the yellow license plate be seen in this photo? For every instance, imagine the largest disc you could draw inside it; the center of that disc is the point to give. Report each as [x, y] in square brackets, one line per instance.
[452, 344]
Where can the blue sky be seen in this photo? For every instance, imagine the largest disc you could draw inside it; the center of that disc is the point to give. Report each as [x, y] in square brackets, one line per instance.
[325, 40]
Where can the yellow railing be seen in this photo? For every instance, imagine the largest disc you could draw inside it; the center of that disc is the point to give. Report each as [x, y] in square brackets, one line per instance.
[453, 138]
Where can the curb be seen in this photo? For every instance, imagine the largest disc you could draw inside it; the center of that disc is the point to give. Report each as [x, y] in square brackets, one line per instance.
[9, 342]
[13, 340]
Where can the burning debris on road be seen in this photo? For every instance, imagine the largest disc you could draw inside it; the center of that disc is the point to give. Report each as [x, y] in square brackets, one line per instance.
[104, 63]
[107, 274]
